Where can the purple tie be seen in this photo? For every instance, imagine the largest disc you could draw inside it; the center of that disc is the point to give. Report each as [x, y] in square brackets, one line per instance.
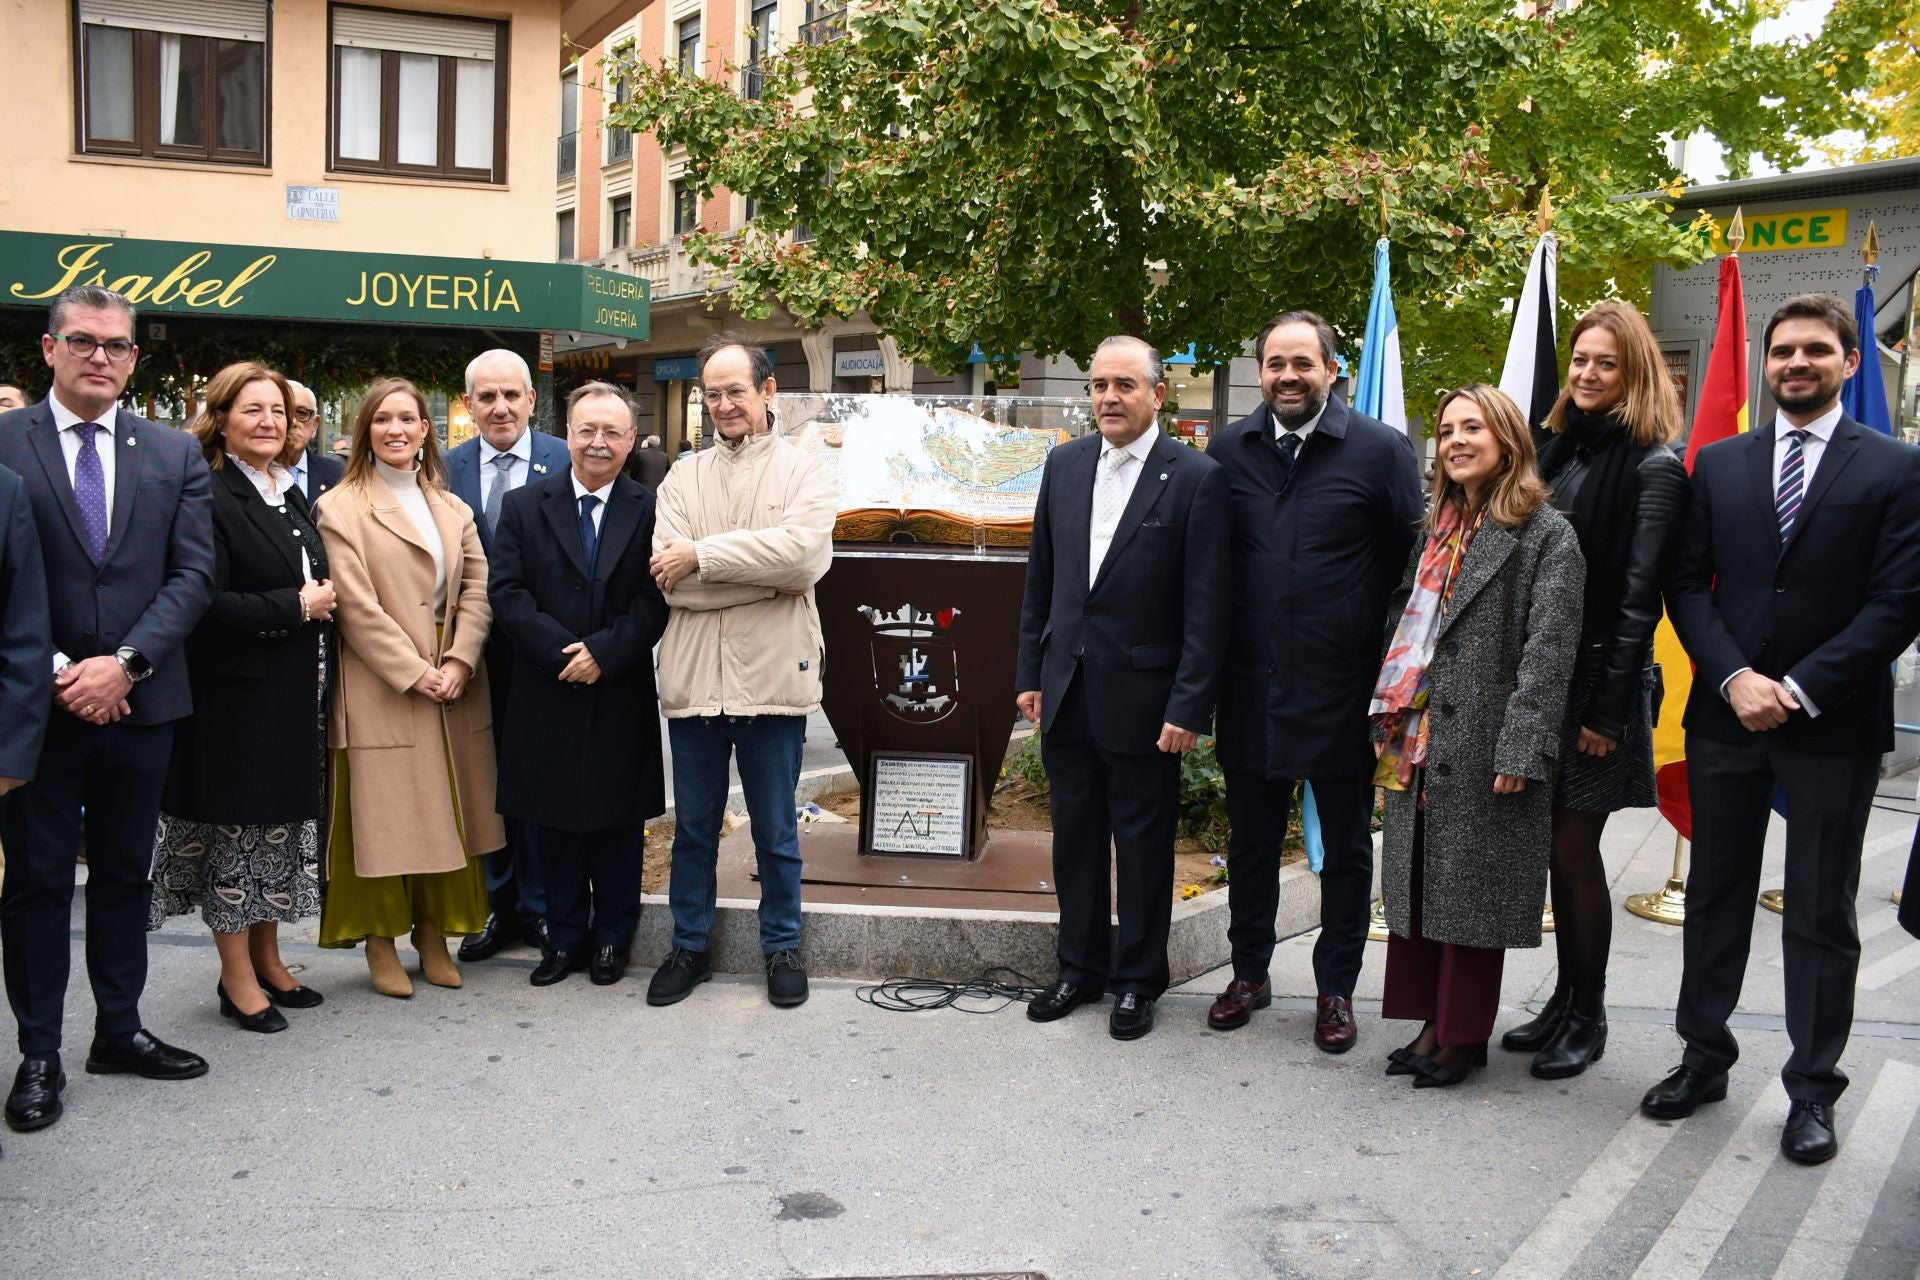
[90, 490]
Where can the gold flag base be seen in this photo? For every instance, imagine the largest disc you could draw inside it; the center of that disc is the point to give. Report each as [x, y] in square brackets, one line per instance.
[1546, 919]
[1669, 905]
[1774, 900]
[1896, 897]
[1377, 930]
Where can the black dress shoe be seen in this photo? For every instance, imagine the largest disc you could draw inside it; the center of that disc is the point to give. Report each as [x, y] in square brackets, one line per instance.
[267, 1021]
[296, 997]
[1061, 999]
[1676, 1097]
[1532, 1037]
[1580, 1042]
[609, 966]
[678, 975]
[35, 1100]
[1132, 1016]
[143, 1054]
[496, 935]
[555, 965]
[1808, 1137]
[1400, 1061]
[1431, 1073]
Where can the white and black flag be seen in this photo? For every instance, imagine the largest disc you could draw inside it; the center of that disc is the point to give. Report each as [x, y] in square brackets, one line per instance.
[1531, 376]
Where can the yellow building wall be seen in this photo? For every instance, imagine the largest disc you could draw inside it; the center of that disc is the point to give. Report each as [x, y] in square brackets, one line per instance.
[46, 186]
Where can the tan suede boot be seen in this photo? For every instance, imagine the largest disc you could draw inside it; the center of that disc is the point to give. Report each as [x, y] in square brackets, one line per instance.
[436, 966]
[383, 961]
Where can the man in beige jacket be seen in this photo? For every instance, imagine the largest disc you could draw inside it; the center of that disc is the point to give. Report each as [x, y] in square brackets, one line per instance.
[742, 531]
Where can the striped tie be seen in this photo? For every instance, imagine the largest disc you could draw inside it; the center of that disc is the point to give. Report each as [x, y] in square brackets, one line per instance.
[1793, 483]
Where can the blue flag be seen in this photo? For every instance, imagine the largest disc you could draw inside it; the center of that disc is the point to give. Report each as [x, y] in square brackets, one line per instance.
[1864, 395]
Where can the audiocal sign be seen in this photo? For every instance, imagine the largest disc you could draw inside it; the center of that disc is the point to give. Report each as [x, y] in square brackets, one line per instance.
[317, 284]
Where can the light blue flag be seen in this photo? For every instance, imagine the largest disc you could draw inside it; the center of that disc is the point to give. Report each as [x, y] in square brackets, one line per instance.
[1864, 395]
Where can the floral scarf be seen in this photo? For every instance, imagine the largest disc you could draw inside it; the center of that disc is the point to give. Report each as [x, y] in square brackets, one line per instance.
[1400, 697]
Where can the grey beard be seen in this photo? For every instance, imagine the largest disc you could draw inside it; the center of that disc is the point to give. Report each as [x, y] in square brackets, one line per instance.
[1299, 417]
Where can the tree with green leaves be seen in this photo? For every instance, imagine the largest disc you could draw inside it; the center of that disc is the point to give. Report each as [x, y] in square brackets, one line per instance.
[1038, 174]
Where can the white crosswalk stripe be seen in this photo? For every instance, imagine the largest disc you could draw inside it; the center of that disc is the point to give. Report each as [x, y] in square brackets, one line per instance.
[1572, 1223]
[1701, 1224]
[1837, 1218]
[1884, 970]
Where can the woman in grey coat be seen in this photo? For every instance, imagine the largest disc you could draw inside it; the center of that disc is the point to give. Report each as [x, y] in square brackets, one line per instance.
[1467, 713]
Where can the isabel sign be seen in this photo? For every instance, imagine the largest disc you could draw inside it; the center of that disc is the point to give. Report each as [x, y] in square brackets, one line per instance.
[315, 284]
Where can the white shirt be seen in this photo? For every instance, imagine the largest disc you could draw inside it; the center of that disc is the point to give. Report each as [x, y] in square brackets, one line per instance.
[406, 491]
[1104, 526]
[103, 444]
[1812, 449]
[1302, 432]
[521, 451]
[604, 492]
[271, 485]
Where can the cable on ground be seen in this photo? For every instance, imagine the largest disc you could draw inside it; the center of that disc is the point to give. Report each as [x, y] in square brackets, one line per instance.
[987, 992]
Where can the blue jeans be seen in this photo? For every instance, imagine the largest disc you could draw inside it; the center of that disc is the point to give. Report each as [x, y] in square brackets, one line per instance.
[767, 750]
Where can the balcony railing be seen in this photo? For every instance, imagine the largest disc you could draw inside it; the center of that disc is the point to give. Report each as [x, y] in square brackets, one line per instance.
[753, 82]
[830, 25]
[569, 154]
[619, 145]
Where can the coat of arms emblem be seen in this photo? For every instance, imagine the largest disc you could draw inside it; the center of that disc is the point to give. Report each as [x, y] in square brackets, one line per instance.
[915, 669]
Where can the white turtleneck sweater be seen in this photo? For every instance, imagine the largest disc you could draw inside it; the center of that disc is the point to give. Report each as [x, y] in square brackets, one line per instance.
[406, 491]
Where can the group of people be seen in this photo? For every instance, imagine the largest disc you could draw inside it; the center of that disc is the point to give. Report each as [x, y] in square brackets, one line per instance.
[415, 694]
[410, 693]
[1482, 656]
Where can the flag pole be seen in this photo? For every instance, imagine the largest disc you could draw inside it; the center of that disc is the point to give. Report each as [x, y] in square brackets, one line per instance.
[1775, 900]
[1669, 905]
[1543, 224]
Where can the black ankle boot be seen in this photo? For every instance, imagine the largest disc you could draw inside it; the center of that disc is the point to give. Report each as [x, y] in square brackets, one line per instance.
[1581, 1040]
[1531, 1037]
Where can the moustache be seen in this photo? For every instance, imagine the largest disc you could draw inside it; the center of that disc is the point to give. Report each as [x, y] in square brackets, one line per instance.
[599, 451]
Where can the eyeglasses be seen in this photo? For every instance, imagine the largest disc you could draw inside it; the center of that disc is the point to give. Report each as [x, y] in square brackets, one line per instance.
[728, 395]
[587, 435]
[82, 346]
[304, 414]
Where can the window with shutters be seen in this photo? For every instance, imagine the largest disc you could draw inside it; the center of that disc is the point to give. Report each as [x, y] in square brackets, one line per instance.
[173, 79]
[418, 95]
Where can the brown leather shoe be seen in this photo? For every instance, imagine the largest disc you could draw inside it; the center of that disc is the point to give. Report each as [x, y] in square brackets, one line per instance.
[1236, 1004]
[1333, 1028]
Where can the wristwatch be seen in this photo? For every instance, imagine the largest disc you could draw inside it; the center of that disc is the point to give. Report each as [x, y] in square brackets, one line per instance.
[131, 662]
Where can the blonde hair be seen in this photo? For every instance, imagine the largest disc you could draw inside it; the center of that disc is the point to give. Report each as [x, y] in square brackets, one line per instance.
[433, 471]
[210, 427]
[1649, 403]
[1517, 491]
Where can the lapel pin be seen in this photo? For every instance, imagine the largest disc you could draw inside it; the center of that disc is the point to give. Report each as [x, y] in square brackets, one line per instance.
[1163, 475]
[540, 467]
[130, 442]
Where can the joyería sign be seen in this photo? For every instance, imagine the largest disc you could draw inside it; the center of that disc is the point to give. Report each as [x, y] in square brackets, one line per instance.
[314, 284]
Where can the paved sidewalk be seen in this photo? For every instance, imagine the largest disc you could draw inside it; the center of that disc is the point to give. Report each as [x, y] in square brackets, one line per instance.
[499, 1130]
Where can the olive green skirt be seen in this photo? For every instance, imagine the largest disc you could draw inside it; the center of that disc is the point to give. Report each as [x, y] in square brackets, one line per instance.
[358, 907]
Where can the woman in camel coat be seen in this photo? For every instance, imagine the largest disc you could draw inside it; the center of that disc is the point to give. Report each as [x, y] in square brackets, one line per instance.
[412, 723]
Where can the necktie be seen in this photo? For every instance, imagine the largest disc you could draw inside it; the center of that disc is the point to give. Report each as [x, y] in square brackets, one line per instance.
[1109, 500]
[1793, 481]
[589, 536]
[90, 491]
[497, 488]
[1289, 450]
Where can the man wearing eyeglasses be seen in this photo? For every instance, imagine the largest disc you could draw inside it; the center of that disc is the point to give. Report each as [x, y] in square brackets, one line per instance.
[741, 533]
[504, 455]
[580, 762]
[123, 510]
[313, 473]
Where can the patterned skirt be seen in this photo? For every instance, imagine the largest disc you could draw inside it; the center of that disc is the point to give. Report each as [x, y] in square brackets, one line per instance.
[247, 875]
[1621, 779]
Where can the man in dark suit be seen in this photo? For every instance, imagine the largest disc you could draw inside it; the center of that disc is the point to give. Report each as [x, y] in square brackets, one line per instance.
[1325, 501]
[123, 511]
[1796, 584]
[649, 464]
[580, 764]
[313, 473]
[1121, 634]
[505, 454]
[26, 667]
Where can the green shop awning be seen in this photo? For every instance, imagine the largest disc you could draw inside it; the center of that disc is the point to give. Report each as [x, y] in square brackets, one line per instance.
[213, 280]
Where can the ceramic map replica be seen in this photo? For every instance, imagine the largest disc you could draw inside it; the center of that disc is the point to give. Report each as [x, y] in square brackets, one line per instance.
[912, 471]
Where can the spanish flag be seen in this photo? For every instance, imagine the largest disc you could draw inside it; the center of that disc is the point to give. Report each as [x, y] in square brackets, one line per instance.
[1722, 412]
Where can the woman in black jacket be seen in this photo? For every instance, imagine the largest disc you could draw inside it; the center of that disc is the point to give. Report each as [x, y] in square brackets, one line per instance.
[238, 834]
[1606, 458]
